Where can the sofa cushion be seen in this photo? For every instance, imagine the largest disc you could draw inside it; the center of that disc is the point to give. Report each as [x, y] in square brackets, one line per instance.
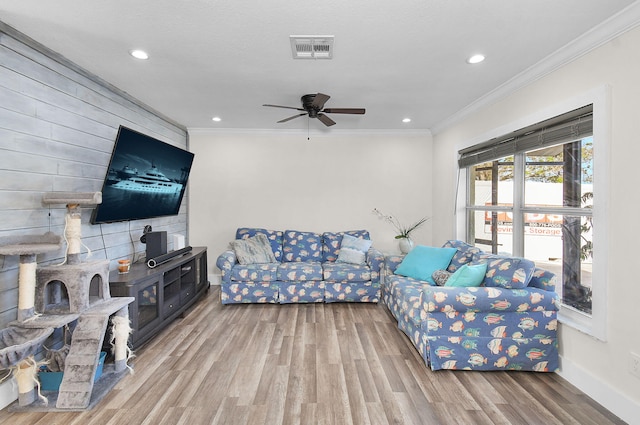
[506, 272]
[468, 275]
[301, 246]
[353, 250]
[274, 236]
[253, 250]
[463, 255]
[422, 261]
[344, 272]
[488, 299]
[299, 271]
[331, 242]
[254, 272]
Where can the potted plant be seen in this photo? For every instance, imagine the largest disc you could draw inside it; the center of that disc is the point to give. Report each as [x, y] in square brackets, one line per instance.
[403, 232]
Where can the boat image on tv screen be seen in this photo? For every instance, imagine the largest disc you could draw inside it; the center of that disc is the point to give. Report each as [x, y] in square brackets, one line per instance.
[146, 178]
[149, 181]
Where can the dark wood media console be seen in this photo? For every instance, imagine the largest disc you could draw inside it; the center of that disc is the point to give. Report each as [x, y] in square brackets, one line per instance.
[162, 293]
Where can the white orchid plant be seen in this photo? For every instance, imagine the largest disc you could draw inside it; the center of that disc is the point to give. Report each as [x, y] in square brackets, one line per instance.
[404, 232]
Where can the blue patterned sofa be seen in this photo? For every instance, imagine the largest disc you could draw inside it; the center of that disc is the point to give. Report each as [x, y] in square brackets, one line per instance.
[306, 269]
[509, 322]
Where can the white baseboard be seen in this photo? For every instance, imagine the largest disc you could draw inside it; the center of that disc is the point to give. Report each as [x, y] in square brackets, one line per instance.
[611, 398]
[8, 392]
[214, 278]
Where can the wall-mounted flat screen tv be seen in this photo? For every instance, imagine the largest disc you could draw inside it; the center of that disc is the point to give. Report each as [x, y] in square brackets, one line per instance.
[146, 178]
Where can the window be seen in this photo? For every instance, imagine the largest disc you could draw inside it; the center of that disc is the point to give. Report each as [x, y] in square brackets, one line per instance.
[531, 193]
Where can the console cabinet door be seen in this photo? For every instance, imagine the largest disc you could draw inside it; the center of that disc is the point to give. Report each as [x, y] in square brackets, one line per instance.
[188, 281]
[147, 306]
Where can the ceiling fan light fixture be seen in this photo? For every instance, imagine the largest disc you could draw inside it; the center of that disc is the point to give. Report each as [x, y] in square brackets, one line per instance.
[406, 120]
[216, 119]
[313, 107]
[311, 46]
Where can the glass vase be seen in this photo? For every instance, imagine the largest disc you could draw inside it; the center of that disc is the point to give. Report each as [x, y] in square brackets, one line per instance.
[405, 244]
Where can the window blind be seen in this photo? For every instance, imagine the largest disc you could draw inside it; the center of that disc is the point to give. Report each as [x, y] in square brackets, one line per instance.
[571, 126]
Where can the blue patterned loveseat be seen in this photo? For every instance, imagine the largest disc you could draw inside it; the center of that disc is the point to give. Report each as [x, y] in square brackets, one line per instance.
[509, 322]
[307, 268]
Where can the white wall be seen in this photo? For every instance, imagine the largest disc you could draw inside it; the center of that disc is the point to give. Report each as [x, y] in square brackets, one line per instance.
[601, 369]
[280, 180]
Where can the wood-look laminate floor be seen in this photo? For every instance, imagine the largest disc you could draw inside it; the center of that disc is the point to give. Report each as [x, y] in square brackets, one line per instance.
[313, 364]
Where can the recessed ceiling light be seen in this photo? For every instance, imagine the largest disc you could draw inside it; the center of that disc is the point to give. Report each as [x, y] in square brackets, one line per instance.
[216, 119]
[139, 54]
[475, 59]
[406, 120]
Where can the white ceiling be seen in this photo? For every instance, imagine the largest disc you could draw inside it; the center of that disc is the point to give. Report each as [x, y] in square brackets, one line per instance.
[227, 58]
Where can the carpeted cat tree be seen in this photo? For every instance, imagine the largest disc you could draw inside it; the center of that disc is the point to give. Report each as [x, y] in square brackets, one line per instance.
[54, 296]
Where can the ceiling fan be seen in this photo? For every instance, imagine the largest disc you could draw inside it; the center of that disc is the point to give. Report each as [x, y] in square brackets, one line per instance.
[313, 106]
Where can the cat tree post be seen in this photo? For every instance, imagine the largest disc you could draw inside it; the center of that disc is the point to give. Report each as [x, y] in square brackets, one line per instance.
[121, 331]
[27, 247]
[26, 286]
[73, 233]
[26, 379]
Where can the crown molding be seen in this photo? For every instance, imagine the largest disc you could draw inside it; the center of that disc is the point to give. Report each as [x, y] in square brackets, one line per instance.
[193, 131]
[618, 24]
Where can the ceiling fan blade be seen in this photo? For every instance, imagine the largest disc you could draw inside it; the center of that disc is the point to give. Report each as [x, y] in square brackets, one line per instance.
[286, 107]
[319, 100]
[326, 120]
[359, 111]
[292, 117]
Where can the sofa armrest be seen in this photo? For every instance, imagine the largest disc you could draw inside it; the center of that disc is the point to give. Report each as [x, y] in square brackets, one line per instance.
[391, 263]
[225, 263]
[543, 279]
[375, 261]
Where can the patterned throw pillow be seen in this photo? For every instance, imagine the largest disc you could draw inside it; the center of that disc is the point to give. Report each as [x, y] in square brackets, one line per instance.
[506, 272]
[253, 250]
[440, 277]
[463, 256]
[353, 250]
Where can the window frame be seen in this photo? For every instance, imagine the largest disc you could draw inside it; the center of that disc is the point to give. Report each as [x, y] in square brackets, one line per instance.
[596, 323]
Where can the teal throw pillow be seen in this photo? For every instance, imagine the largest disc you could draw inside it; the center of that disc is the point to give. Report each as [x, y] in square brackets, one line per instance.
[422, 261]
[468, 275]
[353, 250]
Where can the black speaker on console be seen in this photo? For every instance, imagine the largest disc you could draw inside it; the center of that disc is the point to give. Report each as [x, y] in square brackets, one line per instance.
[153, 262]
[156, 244]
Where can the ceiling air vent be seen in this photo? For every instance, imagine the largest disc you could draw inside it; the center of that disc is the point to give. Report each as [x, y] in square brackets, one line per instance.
[312, 46]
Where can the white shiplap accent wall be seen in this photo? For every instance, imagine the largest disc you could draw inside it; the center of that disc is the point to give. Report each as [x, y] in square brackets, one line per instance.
[58, 125]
